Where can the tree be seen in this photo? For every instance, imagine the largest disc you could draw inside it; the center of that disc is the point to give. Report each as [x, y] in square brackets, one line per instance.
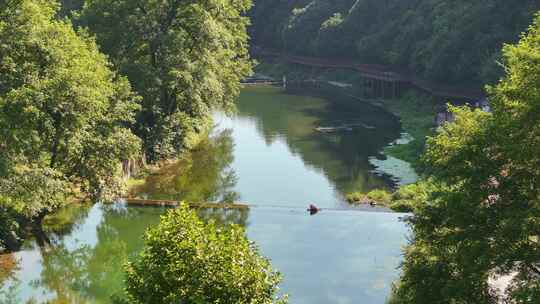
[68, 7]
[26, 197]
[64, 115]
[186, 260]
[454, 42]
[185, 58]
[483, 219]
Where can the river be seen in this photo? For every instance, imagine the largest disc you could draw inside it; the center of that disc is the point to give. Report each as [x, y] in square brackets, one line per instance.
[267, 155]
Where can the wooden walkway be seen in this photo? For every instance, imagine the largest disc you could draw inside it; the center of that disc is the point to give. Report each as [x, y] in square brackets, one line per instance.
[173, 204]
[376, 72]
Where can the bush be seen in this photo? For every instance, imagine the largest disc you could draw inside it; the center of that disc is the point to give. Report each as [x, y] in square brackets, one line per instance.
[22, 210]
[355, 197]
[379, 196]
[409, 197]
[405, 199]
[186, 260]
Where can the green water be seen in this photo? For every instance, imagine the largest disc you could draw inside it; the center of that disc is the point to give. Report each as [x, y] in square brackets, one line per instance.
[286, 123]
[268, 155]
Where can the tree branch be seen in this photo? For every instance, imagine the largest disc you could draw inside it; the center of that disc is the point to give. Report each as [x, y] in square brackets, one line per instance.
[534, 269]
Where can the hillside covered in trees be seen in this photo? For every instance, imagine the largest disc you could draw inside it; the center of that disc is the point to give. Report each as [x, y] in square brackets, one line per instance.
[89, 87]
[455, 42]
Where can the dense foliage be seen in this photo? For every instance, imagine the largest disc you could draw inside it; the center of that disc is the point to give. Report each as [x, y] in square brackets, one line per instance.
[63, 113]
[186, 260]
[21, 206]
[185, 58]
[68, 120]
[482, 221]
[69, 8]
[406, 198]
[452, 41]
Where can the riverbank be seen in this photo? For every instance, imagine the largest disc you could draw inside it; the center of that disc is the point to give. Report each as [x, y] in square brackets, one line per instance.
[416, 112]
[249, 157]
[405, 199]
[417, 116]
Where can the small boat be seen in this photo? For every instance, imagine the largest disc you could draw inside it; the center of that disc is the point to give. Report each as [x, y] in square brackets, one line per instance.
[344, 127]
[368, 127]
[362, 125]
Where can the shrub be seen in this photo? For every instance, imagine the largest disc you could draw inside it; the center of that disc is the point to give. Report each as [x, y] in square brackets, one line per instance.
[186, 260]
[380, 196]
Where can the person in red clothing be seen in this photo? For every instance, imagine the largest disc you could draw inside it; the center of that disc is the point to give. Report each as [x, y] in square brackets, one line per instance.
[313, 209]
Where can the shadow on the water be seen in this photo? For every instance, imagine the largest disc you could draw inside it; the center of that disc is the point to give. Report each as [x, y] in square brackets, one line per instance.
[94, 274]
[88, 273]
[342, 156]
[202, 175]
[92, 271]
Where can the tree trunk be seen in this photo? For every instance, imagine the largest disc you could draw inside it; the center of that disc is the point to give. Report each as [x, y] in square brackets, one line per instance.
[42, 239]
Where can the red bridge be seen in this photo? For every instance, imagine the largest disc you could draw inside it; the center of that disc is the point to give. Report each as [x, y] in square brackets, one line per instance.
[384, 75]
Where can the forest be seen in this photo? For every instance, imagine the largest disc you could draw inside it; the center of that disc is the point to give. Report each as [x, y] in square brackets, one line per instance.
[88, 88]
[456, 42]
[80, 96]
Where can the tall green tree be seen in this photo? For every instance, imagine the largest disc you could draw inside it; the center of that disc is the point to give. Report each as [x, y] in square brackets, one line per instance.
[185, 58]
[483, 220]
[64, 115]
[186, 260]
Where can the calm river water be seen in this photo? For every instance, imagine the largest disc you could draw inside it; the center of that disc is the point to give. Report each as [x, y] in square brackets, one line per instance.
[267, 155]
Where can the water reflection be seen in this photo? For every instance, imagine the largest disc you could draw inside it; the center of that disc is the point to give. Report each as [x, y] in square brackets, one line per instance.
[272, 156]
[8, 265]
[75, 271]
[207, 173]
[79, 267]
[204, 175]
[342, 156]
[86, 264]
[65, 221]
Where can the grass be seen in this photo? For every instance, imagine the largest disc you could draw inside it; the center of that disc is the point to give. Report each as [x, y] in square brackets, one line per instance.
[381, 197]
[417, 114]
[405, 199]
[133, 183]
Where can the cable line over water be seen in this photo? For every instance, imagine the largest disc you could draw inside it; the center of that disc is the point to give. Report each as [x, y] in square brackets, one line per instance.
[243, 206]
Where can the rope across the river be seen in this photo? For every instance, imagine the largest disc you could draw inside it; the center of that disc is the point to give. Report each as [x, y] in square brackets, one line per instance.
[234, 206]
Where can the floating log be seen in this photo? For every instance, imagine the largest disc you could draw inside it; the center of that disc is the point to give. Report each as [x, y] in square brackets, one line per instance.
[332, 129]
[342, 128]
[166, 203]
